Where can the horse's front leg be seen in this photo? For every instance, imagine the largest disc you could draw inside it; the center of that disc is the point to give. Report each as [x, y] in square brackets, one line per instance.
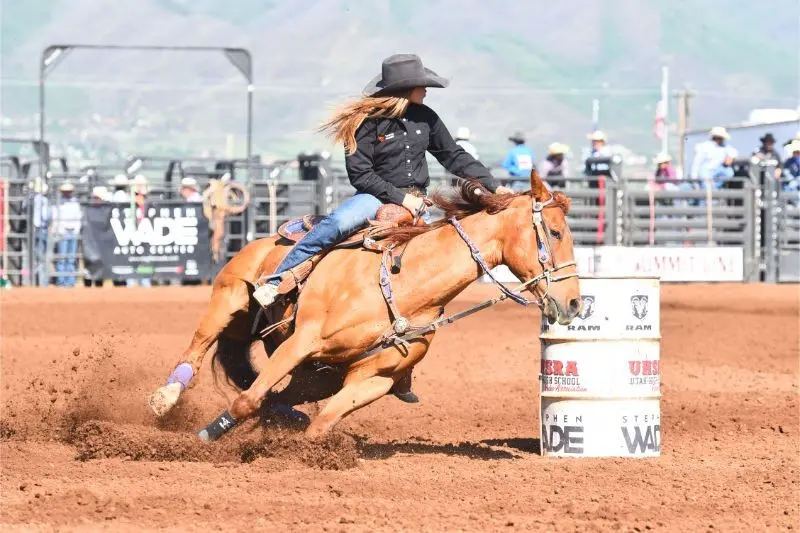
[352, 397]
[288, 355]
[367, 382]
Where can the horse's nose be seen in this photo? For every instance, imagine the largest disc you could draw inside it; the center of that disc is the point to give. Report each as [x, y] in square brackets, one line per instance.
[575, 306]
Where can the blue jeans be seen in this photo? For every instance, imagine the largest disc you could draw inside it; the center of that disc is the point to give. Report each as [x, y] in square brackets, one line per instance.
[352, 215]
[67, 248]
[718, 174]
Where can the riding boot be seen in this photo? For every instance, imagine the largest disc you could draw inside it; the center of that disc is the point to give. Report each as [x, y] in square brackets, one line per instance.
[402, 389]
[266, 294]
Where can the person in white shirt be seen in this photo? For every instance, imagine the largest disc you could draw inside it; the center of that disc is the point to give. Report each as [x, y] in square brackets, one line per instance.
[599, 144]
[120, 185]
[190, 191]
[713, 159]
[99, 194]
[67, 216]
[463, 136]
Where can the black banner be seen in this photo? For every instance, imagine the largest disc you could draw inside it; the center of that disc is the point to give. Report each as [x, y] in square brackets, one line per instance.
[164, 240]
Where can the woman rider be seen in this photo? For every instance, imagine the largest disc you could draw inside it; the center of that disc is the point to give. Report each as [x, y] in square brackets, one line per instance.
[385, 135]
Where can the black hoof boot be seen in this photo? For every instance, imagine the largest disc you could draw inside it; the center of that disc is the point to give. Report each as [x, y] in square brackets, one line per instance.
[224, 423]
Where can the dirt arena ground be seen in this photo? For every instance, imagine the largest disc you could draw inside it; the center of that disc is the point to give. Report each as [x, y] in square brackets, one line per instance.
[81, 452]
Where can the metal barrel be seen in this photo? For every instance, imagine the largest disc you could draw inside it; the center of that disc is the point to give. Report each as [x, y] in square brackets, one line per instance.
[600, 377]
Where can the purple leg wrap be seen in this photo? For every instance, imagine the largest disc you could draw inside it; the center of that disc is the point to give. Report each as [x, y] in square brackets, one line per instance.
[181, 374]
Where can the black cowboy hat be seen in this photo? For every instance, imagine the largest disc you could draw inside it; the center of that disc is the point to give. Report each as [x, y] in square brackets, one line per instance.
[403, 71]
[768, 138]
[517, 137]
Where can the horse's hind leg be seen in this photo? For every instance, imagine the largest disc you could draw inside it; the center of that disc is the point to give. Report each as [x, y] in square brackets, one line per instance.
[227, 312]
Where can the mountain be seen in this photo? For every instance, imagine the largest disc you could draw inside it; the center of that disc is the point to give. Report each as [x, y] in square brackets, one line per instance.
[524, 65]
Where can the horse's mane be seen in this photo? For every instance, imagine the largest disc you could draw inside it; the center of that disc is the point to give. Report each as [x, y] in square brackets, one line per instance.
[468, 198]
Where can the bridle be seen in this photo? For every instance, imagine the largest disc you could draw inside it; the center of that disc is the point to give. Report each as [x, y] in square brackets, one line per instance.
[544, 253]
[402, 331]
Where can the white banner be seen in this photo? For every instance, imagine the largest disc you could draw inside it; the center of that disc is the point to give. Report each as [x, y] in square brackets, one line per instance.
[670, 264]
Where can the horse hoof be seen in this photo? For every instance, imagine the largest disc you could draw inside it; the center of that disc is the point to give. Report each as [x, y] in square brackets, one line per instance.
[284, 414]
[407, 397]
[165, 398]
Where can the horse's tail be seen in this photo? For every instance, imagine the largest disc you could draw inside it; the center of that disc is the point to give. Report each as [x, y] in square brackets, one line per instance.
[233, 355]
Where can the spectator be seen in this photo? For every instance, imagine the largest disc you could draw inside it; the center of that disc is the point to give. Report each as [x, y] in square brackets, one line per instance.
[99, 194]
[792, 164]
[190, 192]
[519, 161]
[41, 225]
[665, 175]
[462, 139]
[67, 217]
[791, 170]
[599, 144]
[595, 170]
[788, 143]
[555, 165]
[767, 153]
[713, 159]
[120, 194]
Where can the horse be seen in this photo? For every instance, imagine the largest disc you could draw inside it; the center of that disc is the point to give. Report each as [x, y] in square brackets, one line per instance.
[341, 318]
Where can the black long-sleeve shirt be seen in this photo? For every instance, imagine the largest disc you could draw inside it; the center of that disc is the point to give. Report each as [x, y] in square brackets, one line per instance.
[391, 154]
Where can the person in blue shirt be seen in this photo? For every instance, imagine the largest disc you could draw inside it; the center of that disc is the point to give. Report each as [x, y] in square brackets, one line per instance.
[792, 164]
[791, 167]
[519, 161]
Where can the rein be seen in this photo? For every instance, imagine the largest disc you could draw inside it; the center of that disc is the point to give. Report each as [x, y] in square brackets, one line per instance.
[402, 332]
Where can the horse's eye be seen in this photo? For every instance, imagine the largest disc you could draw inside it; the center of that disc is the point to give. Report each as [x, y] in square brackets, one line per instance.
[555, 234]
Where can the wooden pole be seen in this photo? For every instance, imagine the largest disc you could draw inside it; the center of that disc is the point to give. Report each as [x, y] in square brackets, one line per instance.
[684, 96]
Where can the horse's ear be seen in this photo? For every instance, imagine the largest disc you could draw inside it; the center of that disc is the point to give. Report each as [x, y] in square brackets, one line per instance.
[538, 188]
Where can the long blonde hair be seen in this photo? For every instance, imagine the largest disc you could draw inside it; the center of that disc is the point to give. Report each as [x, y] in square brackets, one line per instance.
[346, 120]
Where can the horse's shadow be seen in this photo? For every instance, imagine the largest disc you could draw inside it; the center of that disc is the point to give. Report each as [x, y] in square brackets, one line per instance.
[520, 444]
[485, 450]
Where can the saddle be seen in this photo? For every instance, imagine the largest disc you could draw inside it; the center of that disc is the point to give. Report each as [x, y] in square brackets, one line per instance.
[388, 216]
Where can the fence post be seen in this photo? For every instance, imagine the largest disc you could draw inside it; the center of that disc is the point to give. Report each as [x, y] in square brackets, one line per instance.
[6, 226]
[611, 212]
[751, 263]
[321, 192]
[272, 186]
[770, 221]
[758, 230]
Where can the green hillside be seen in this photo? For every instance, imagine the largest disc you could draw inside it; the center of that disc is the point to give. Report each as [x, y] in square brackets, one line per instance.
[513, 65]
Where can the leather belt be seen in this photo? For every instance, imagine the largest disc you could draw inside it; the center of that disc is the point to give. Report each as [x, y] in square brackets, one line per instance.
[414, 191]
